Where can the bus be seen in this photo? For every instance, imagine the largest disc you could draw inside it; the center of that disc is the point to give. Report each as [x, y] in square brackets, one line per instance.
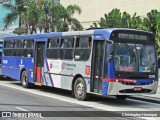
[117, 61]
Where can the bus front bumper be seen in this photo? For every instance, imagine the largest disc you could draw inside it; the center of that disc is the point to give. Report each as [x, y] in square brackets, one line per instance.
[116, 88]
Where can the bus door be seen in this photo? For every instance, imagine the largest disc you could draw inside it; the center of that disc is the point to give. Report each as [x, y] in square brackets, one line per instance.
[39, 62]
[97, 66]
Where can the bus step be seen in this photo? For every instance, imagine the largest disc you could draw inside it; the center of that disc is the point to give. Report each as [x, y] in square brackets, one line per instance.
[37, 83]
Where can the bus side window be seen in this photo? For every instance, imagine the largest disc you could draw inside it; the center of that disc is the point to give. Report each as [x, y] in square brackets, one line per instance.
[52, 48]
[66, 49]
[83, 48]
[28, 45]
[17, 48]
[25, 44]
[7, 48]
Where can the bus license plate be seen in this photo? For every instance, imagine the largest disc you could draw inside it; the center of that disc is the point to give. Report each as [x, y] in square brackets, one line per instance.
[137, 88]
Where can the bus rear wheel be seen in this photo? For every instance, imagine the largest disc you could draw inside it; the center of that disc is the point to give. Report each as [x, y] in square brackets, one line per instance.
[24, 79]
[80, 89]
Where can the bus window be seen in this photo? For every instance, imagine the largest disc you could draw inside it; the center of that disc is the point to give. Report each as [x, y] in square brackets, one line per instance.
[52, 48]
[83, 48]
[8, 45]
[28, 48]
[17, 48]
[66, 49]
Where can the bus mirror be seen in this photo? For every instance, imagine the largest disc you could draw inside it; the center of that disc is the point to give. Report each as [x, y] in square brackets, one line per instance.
[111, 49]
[77, 57]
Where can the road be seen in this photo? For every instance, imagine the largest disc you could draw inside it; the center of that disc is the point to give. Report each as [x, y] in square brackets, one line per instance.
[15, 98]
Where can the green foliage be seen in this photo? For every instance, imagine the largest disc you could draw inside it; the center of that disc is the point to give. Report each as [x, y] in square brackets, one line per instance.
[20, 31]
[43, 15]
[117, 19]
[64, 17]
[15, 11]
[152, 21]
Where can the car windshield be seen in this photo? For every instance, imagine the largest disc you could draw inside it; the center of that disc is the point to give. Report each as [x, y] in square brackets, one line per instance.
[134, 57]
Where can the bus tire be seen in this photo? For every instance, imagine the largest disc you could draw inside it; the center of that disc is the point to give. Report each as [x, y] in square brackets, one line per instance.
[24, 80]
[122, 97]
[80, 89]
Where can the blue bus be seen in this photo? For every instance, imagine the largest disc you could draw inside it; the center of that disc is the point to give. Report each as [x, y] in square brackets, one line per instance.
[118, 62]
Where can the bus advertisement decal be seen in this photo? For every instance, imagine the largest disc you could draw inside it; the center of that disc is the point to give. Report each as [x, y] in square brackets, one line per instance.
[49, 69]
[68, 66]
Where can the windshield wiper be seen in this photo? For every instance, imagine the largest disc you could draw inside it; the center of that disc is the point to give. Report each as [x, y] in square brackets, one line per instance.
[131, 51]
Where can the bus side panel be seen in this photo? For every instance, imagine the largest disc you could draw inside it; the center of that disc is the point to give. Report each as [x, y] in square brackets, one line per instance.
[9, 72]
[49, 76]
[60, 73]
[12, 67]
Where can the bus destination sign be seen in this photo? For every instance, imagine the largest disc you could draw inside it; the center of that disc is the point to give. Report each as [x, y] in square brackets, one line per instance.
[132, 36]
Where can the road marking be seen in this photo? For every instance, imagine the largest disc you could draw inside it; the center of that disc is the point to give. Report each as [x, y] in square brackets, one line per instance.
[21, 109]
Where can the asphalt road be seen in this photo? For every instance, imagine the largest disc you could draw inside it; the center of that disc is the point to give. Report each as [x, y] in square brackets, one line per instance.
[41, 99]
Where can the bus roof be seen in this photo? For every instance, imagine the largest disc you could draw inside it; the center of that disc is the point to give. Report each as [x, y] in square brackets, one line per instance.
[105, 32]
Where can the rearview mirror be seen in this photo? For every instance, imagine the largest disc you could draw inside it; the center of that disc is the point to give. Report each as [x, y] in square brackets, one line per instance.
[111, 48]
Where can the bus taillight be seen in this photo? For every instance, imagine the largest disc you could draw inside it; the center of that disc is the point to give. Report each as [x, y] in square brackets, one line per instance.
[88, 70]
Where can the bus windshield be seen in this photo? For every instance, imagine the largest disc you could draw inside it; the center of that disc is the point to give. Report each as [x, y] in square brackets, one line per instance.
[131, 57]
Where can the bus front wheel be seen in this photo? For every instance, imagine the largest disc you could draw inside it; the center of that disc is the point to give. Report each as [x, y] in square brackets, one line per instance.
[24, 79]
[80, 89]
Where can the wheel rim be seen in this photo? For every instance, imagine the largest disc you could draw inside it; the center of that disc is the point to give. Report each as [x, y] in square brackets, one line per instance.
[80, 89]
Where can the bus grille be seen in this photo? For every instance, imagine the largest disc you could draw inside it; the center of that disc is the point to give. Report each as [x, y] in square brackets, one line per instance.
[133, 91]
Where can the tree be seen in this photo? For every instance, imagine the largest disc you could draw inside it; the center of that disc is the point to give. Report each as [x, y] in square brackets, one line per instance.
[135, 22]
[117, 19]
[34, 16]
[15, 11]
[125, 20]
[20, 31]
[152, 21]
[63, 17]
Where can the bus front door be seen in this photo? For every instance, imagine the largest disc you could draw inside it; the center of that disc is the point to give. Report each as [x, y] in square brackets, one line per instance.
[39, 63]
[97, 66]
